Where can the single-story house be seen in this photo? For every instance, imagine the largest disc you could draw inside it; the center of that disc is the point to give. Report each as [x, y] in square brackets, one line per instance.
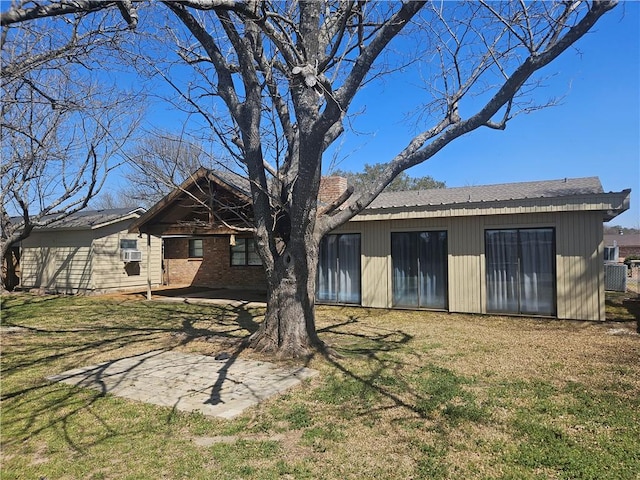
[531, 248]
[90, 251]
[626, 245]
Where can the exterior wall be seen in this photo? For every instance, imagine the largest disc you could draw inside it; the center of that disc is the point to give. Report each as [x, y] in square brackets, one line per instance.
[628, 244]
[59, 261]
[580, 267]
[579, 254]
[111, 273]
[86, 260]
[212, 270]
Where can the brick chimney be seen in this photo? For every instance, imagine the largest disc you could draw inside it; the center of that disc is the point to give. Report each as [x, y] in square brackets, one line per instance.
[331, 188]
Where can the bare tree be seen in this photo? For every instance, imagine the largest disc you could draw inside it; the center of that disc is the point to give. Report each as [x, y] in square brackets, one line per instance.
[108, 199]
[59, 130]
[287, 73]
[160, 162]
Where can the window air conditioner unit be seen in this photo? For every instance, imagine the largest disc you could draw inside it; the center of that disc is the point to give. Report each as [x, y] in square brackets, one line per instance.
[128, 255]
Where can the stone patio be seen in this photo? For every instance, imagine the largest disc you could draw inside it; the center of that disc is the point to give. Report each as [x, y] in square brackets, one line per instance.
[220, 388]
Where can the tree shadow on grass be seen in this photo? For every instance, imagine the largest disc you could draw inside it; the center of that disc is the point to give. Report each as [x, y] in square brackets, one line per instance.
[385, 374]
[623, 307]
[34, 350]
[398, 376]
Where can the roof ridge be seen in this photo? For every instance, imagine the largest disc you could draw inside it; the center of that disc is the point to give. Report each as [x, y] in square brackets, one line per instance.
[520, 183]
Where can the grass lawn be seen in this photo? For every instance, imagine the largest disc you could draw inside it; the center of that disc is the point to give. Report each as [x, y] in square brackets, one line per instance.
[413, 395]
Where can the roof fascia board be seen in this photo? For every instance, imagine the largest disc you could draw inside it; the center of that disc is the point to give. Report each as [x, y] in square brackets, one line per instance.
[117, 220]
[134, 214]
[613, 203]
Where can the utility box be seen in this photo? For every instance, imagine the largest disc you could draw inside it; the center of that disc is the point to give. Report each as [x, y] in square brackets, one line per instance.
[615, 277]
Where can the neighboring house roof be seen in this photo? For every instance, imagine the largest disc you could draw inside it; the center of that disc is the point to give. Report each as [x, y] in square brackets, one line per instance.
[551, 195]
[629, 240]
[92, 219]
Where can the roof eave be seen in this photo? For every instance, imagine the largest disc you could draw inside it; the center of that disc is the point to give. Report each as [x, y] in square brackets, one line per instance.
[133, 214]
[611, 204]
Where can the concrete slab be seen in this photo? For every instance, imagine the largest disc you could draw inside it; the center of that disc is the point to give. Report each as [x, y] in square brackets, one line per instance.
[234, 297]
[188, 382]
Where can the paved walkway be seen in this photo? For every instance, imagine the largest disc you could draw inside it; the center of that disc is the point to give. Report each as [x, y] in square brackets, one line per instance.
[220, 388]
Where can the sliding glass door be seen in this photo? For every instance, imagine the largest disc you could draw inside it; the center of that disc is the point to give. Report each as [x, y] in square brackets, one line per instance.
[520, 272]
[339, 269]
[419, 262]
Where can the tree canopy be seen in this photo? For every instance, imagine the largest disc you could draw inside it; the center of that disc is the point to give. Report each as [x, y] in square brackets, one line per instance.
[371, 173]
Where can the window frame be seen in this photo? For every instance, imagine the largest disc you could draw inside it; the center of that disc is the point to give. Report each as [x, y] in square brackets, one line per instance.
[336, 273]
[192, 250]
[417, 267]
[249, 248]
[128, 241]
[519, 250]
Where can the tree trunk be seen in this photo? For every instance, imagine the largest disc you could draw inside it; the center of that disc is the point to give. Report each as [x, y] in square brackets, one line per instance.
[5, 258]
[288, 330]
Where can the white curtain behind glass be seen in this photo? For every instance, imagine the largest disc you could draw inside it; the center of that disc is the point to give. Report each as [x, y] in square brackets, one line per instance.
[520, 271]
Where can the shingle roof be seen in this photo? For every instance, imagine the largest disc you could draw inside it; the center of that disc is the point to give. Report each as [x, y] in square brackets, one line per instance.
[92, 218]
[628, 240]
[488, 193]
[233, 180]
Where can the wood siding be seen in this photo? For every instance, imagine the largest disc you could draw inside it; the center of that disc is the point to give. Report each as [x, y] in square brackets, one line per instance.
[59, 261]
[580, 267]
[109, 272]
[579, 254]
[74, 261]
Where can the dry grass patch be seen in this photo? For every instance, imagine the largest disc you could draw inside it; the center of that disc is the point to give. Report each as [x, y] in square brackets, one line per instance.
[412, 395]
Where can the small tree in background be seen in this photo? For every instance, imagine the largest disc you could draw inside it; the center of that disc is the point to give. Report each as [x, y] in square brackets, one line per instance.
[371, 173]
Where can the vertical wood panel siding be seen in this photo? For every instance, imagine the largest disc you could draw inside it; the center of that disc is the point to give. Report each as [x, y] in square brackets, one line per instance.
[465, 264]
[579, 268]
[375, 247]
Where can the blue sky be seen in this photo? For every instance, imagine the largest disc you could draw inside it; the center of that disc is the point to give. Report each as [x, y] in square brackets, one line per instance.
[595, 131]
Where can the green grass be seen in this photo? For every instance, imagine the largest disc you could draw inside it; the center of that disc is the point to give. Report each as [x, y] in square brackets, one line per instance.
[412, 395]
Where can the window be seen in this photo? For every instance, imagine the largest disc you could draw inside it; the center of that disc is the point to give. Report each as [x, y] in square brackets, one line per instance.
[339, 269]
[129, 244]
[244, 252]
[520, 271]
[196, 248]
[611, 254]
[419, 265]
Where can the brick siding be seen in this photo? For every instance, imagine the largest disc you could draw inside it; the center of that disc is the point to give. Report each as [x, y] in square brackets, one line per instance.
[331, 188]
[212, 270]
[625, 251]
